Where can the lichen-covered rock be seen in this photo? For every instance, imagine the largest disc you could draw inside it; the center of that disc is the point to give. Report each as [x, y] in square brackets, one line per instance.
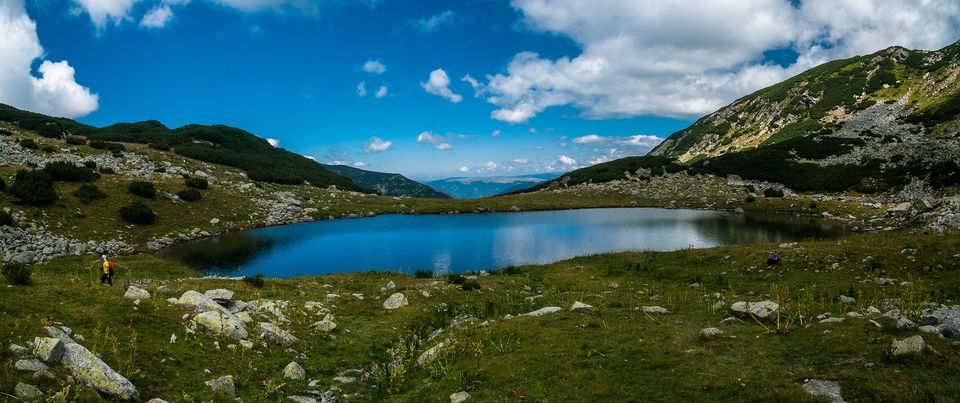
[17, 349]
[223, 386]
[710, 333]
[27, 391]
[220, 293]
[221, 324]
[762, 310]
[544, 311]
[580, 307]
[326, 325]
[92, 371]
[273, 333]
[29, 365]
[460, 397]
[294, 371]
[910, 345]
[199, 302]
[395, 301]
[48, 349]
[431, 354]
[136, 293]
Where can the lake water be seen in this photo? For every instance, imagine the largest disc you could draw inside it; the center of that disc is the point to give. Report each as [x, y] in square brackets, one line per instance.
[468, 242]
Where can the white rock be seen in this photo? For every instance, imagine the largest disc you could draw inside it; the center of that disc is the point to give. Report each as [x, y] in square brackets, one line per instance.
[220, 294]
[655, 309]
[272, 332]
[221, 324]
[710, 333]
[763, 310]
[223, 385]
[544, 311]
[580, 307]
[395, 301]
[136, 293]
[431, 354]
[829, 389]
[910, 345]
[463, 396]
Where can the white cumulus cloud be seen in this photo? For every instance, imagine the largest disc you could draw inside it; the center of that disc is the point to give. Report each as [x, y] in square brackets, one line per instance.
[438, 142]
[56, 91]
[362, 89]
[434, 22]
[464, 169]
[381, 92]
[566, 160]
[588, 139]
[439, 84]
[274, 142]
[495, 133]
[376, 145]
[685, 58]
[102, 11]
[157, 17]
[359, 164]
[374, 67]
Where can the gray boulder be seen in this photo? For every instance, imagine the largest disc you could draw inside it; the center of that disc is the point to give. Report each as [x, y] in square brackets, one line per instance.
[223, 386]
[29, 365]
[910, 345]
[219, 294]
[655, 309]
[828, 389]
[221, 324]
[48, 349]
[26, 391]
[273, 333]
[136, 293]
[294, 371]
[431, 354]
[710, 333]
[17, 349]
[762, 310]
[543, 311]
[90, 370]
[460, 397]
[395, 301]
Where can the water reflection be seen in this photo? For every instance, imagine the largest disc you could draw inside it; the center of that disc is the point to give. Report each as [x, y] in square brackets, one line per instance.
[456, 243]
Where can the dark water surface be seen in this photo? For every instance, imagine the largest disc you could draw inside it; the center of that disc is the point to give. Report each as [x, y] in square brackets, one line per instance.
[457, 243]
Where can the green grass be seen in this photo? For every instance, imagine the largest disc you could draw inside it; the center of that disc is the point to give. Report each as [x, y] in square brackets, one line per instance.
[618, 354]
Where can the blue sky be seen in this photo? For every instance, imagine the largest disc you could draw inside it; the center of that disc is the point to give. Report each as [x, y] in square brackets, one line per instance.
[557, 84]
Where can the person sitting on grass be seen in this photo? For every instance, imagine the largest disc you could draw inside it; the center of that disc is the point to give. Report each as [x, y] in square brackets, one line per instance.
[106, 270]
[773, 259]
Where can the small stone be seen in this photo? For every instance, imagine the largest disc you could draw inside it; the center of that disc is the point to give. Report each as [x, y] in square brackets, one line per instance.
[395, 301]
[655, 309]
[345, 379]
[223, 385]
[831, 320]
[173, 338]
[717, 307]
[391, 285]
[580, 307]
[710, 333]
[729, 321]
[326, 325]
[872, 310]
[763, 310]
[847, 300]
[156, 400]
[18, 349]
[905, 324]
[929, 329]
[460, 396]
[910, 345]
[29, 365]
[294, 371]
[431, 354]
[26, 391]
[136, 293]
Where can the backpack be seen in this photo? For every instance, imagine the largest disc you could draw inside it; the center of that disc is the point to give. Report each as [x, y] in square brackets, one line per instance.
[113, 266]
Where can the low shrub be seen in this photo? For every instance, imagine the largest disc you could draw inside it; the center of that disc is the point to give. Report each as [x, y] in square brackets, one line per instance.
[17, 273]
[33, 188]
[196, 183]
[190, 195]
[76, 140]
[50, 131]
[458, 279]
[48, 148]
[90, 164]
[255, 281]
[159, 146]
[87, 193]
[143, 189]
[508, 271]
[772, 192]
[470, 285]
[160, 170]
[750, 199]
[423, 274]
[3, 185]
[68, 172]
[29, 143]
[137, 213]
[6, 219]
[107, 171]
[5, 132]
[105, 145]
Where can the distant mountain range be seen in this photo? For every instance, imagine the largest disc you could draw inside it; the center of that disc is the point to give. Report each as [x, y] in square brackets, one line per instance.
[473, 188]
[385, 183]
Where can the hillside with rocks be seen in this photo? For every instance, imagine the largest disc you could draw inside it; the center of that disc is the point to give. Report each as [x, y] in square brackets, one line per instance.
[386, 184]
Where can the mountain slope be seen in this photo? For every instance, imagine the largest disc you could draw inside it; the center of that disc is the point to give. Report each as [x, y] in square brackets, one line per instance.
[216, 144]
[623, 168]
[385, 183]
[475, 188]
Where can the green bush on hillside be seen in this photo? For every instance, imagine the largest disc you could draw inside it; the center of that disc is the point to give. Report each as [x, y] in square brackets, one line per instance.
[76, 140]
[17, 273]
[50, 130]
[87, 193]
[33, 188]
[470, 285]
[6, 219]
[143, 189]
[457, 279]
[159, 146]
[255, 281]
[29, 143]
[5, 132]
[772, 192]
[68, 172]
[103, 145]
[190, 195]
[3, 185]
[423, 274]
[47, 148]
[137, 213]
[107, 171]
[196, 183]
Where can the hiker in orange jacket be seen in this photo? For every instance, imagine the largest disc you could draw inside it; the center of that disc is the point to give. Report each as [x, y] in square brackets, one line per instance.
[106, 270]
